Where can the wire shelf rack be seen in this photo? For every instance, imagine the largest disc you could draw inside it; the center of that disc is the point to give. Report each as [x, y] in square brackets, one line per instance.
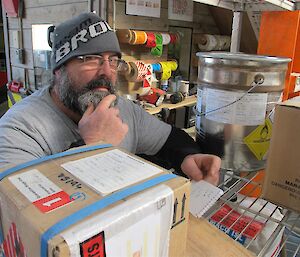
[262, 227]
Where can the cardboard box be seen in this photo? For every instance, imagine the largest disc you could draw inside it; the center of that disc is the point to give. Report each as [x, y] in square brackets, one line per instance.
[282, 179]
[80, 210]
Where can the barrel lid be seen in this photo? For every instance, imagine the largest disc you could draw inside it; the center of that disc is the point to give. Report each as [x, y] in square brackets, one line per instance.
[243, 57]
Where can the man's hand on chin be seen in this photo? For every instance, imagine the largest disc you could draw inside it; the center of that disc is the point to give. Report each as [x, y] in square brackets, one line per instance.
[102, 123]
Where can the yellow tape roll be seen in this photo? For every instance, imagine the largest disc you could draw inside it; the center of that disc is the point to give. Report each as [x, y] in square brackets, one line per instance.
[166, 71]
[173, 65]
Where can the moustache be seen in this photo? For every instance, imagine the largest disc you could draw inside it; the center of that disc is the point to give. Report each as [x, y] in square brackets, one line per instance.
[101, 82]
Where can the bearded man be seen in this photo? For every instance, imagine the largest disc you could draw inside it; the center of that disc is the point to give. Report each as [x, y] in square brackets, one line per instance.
[82, 106]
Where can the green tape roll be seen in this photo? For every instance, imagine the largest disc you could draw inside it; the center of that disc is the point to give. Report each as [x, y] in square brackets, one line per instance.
[158, 49]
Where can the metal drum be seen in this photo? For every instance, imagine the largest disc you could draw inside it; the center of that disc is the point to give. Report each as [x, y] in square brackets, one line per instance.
[236, 95]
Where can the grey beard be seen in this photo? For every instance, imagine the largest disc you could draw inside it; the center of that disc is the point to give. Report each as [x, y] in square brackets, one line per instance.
[91, 97]
[78, 101]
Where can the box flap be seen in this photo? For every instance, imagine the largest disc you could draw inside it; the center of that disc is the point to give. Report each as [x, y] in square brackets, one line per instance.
[294, 102]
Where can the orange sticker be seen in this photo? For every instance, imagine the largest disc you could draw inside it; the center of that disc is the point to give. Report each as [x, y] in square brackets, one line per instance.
[94, 246]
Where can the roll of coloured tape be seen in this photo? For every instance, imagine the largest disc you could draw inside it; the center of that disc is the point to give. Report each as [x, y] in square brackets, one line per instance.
[138, 37]
[173, 65]
[151, 42]
[157, 51]
[138, 72]
[166, 38]
[166, 71]
[124, 35]
[126, 69]
[142, 70]
[156, 67]
[173, 38]
[207, 42]
[184, 87]
[132, 76]
[148, 78]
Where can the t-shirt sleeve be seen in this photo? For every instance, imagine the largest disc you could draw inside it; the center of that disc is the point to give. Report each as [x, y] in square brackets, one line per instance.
[17, 145]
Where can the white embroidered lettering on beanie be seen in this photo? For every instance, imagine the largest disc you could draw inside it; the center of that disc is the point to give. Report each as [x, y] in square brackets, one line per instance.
[93, 36]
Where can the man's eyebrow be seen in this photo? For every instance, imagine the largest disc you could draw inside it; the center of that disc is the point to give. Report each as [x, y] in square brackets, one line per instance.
[111, 55]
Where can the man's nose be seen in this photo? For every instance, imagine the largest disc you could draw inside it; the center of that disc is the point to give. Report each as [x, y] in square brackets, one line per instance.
[105, 69]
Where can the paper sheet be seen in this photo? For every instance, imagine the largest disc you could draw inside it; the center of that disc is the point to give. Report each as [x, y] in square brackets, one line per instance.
[203, 196]
[110, 171]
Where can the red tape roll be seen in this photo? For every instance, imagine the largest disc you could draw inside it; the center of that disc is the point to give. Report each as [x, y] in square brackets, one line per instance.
[173, 38]
[151, 40]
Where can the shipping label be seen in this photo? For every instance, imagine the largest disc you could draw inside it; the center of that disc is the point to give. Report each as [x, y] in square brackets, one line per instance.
[39, 190]
[110, 171]
[235, 107]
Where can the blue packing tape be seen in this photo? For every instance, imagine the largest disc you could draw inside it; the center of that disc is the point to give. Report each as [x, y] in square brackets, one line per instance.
[51, 157]
[46, 158]
[95, 207]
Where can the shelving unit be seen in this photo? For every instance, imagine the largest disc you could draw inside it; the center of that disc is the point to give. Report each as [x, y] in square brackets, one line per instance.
[253, 8]
[252, 5]
[289, 223]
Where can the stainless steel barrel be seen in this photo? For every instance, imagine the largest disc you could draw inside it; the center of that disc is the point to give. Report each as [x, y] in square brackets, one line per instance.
[236, 95]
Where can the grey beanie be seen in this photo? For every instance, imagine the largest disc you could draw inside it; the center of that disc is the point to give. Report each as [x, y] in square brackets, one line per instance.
[82, 35]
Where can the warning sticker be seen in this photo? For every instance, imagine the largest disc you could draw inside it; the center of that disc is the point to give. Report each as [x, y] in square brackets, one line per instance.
[93, 246]
[230, 218]
[12, 244]
[39, 190]
[258, 140]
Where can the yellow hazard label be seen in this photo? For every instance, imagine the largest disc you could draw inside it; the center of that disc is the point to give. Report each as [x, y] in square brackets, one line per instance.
[16, 98]
[258, 140]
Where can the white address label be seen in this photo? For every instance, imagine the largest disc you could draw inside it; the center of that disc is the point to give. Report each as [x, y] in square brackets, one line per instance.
[34, 185]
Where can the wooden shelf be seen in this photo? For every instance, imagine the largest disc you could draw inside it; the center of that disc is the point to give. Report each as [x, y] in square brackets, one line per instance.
[251, 5]
[190, 100]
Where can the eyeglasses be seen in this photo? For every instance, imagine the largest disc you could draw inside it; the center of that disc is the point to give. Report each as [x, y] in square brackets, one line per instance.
[97, 61]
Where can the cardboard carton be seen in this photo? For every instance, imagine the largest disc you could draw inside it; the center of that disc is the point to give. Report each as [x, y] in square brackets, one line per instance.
[282, 179]
[80, 203]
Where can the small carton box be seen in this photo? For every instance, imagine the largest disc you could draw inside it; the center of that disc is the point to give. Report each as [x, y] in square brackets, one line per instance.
[93, 201]
[282, 179]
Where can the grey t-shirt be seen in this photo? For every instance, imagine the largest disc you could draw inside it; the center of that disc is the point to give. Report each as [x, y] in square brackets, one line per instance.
[35, 127]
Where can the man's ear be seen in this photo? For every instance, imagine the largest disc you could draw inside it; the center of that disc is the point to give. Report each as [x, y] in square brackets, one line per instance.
[57, 73]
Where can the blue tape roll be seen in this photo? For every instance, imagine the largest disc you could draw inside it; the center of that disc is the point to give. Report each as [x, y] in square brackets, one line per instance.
[156, 67]
[95, 207]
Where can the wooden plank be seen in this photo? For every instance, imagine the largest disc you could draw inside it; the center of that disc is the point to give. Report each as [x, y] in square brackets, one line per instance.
[6, 43]
[27, 37]
[46, 3]
[18, 74]
[205, 240]
[49, 15]
[28, 58]
[189, 101]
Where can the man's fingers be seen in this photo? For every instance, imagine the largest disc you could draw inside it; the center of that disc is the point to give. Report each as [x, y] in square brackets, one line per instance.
[212, 169]
[191, 166]
[89, 110]
[107, 101]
